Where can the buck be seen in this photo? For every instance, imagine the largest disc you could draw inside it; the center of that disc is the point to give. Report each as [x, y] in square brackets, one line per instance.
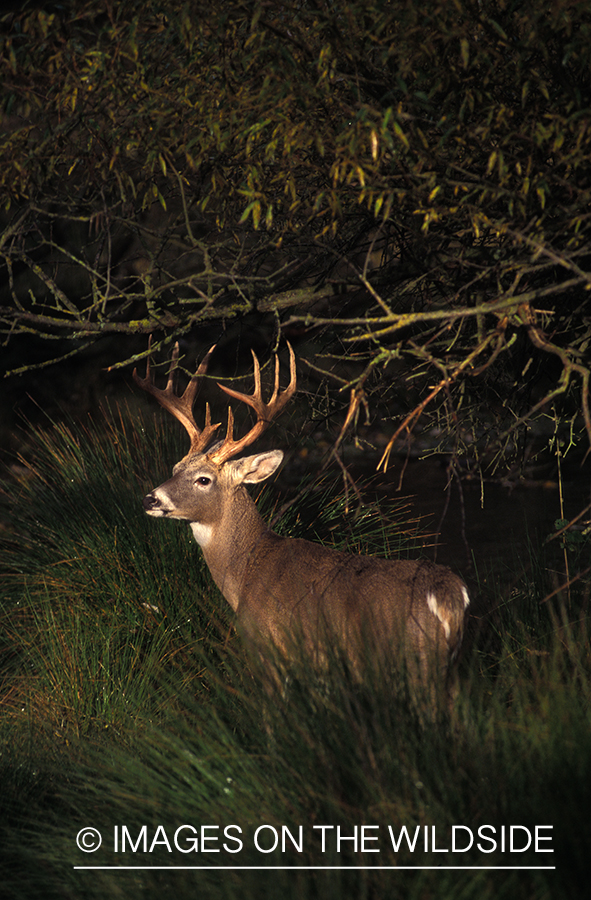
[279, 586]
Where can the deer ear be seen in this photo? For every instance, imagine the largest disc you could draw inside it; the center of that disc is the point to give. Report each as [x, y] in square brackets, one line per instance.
[253, 469]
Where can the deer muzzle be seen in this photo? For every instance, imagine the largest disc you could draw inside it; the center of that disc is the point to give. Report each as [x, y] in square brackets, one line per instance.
[153, 505]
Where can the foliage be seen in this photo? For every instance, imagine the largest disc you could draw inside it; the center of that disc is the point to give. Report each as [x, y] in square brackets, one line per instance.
[82, 561]
[124, 703]
[403, 187]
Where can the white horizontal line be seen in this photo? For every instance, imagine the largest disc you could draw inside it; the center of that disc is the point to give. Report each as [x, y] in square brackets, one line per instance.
[331, 868]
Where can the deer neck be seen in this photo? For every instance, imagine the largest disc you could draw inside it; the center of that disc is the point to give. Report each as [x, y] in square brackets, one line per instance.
[229, 543]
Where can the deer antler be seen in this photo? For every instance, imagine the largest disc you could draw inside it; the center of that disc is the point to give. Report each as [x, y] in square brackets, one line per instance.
[265, 411]
[182, 407]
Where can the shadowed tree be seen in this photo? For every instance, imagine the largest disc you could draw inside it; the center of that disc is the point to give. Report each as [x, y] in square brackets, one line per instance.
[401, 188]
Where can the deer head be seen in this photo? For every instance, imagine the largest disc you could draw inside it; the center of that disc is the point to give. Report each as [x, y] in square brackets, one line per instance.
[205, 481]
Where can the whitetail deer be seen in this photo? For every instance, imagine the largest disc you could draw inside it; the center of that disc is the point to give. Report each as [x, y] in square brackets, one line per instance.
[280, 586]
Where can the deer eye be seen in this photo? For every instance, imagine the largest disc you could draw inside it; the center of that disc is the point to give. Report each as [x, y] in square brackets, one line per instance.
[204, 480]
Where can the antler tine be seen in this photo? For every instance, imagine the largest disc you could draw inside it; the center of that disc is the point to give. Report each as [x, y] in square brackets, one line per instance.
[181, 407]
[266, 412]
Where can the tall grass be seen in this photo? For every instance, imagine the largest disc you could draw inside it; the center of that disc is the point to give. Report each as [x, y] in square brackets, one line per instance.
[127, 700]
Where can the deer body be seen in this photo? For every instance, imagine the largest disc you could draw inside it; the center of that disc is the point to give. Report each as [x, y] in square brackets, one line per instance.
[284, 588]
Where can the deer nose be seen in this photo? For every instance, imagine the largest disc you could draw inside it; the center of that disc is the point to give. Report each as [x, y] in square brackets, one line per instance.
[150, 501]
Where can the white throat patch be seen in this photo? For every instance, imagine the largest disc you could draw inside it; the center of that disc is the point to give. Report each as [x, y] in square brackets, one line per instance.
[201, 533]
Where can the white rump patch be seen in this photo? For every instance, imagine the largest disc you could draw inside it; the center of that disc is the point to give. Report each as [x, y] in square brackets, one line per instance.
[201, 533]
[465, 596]
[438, 613]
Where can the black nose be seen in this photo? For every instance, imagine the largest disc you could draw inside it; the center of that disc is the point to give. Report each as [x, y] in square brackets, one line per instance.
[150, 501]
